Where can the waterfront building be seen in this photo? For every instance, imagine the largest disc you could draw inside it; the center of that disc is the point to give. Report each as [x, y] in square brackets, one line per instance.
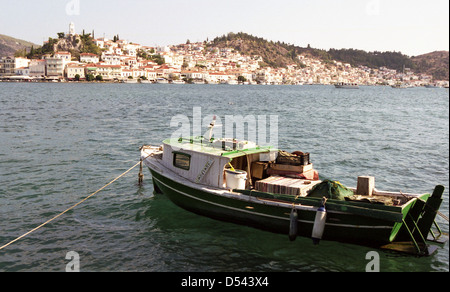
[22, 71]
[109, 72]
[150, 74]
[55, 67]
[37, 68]
[74, 69]
[90, 69]
[195, 75]
[8, 65]
[217, 77]
[127, 73]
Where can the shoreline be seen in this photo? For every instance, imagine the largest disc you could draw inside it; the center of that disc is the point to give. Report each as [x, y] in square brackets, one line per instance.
[193, 83]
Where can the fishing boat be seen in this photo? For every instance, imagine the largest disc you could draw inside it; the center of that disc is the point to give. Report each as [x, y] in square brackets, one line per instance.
[263, 187]
[346, 85]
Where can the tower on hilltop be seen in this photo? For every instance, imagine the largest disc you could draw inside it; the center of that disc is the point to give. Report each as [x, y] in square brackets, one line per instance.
[71, 28]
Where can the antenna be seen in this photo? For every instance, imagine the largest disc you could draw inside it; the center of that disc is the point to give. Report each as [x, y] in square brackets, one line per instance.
[211, 127]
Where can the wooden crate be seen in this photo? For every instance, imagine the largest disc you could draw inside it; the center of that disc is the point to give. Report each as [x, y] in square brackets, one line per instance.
[293, 168]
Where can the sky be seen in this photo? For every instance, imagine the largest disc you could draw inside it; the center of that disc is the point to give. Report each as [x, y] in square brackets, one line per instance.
[412, 27]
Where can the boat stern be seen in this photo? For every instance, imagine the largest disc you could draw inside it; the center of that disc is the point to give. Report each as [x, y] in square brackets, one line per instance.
[413, 234]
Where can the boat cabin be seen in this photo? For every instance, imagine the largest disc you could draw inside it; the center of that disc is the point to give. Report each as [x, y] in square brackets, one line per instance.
[204, 162]
[233, 164]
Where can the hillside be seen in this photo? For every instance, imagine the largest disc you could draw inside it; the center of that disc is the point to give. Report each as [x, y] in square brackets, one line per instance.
[280, 54]
[9, 45]
[435, 63]
[75, 44]
[274, 54]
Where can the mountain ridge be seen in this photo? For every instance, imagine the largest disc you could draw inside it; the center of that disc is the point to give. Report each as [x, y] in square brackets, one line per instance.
[10, 45]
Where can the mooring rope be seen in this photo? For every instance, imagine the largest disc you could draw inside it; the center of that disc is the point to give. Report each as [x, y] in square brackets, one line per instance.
[65, 211]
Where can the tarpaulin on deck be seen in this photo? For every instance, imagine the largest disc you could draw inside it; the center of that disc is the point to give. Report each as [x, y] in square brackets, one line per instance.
[331, 190]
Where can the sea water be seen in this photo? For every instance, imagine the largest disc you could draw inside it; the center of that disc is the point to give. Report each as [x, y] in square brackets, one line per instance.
[61, 142]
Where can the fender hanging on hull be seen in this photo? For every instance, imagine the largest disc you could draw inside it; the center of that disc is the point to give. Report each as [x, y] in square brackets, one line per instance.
[319, 223]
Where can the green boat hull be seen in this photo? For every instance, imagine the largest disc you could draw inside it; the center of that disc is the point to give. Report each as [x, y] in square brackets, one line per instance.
[345, 222]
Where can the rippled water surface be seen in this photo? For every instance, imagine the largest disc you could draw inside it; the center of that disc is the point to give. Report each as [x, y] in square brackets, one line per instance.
[61, 142]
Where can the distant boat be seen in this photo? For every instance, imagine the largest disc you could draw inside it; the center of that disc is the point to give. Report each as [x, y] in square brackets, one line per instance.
[162, 81]
[401, 85]
[346, 85]
[232, 82]
[131, 81]
[178, 82]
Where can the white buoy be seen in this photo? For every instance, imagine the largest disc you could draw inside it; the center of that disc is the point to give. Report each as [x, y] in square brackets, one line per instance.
[293, 225]
[319, 223]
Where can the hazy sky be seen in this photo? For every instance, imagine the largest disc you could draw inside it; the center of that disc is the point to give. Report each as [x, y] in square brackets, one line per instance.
[412, 27]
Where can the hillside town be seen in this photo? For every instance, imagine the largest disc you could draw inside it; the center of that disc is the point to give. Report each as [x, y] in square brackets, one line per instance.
[199, 63]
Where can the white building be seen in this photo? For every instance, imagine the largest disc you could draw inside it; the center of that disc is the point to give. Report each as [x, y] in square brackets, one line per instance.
[111, 59]
[217, 77]
[100, 42]
[8, 65]
[89, 58]
[22, 71]
[37, 68]
[65, 56]
[74, 69]
[192, 75]
[109, 72]
[55, 67]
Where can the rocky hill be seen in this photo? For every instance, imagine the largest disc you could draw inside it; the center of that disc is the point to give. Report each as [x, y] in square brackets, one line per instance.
[75, 44]
[274, 54]
[9, 46]
[280, 54]
[435, 63]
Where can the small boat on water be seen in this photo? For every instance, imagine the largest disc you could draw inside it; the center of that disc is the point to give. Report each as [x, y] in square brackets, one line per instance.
[402, 85]
[131, 81]
[232, 82]
[162, 81]
[346, 85]
[266, 188]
